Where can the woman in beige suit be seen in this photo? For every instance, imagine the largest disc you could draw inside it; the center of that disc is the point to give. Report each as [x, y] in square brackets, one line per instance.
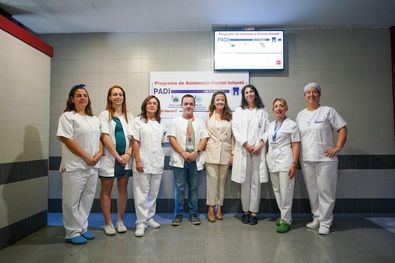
[218, 153]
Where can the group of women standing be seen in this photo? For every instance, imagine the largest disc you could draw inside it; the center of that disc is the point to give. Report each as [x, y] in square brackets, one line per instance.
[104, 147]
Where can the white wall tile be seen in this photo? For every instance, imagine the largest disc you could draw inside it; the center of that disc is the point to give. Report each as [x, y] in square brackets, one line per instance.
[22, 199]
[150, 64]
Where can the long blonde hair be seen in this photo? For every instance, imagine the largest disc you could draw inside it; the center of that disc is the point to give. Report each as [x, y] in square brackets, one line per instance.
[110, 107]
[227, 113]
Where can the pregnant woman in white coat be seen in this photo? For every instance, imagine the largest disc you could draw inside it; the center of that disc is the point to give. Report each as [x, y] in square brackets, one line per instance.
[116, 124]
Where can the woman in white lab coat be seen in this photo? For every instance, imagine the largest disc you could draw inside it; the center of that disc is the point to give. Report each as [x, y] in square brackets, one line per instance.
[282, 161]
[116, 124]
[249, 126]
[318, 155]
[148, 135]
[79, 132]
[218, 154]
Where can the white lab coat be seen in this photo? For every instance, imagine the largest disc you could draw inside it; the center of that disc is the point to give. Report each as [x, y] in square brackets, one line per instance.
[259, 125]
[279, 157]
[178, 129]
[151, 135]
[108, 127]
[85, 131]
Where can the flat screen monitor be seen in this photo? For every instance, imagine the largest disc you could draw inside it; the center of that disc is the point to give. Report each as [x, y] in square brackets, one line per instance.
[249, 50]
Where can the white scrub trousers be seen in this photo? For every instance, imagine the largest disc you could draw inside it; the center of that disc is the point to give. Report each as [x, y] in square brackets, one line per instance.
[251, 188]
[79, 189]
[283, 189]
[145, 191]
[321, 180]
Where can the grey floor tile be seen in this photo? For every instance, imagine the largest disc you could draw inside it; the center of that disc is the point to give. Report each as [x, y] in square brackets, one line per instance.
[354, 239]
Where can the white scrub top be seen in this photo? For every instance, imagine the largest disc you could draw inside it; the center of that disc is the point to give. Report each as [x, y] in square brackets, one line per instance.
[316, 131]
[150, 136]
[85, 131]
[108, 127]
[178, 129]
[279, 157]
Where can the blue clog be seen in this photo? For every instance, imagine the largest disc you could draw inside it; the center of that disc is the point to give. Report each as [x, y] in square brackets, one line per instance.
[88, 235]
[78, 240]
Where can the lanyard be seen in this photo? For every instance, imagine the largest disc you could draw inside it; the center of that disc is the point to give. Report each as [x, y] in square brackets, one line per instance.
[190, 129]
[277, 129]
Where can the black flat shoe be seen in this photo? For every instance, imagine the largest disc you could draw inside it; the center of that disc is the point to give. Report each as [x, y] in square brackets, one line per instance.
[245, 219]
[253, 220]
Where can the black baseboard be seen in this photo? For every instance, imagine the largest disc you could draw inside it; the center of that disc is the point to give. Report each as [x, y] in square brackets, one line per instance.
[366, 205]
[378, 161]
[12, 233]
[20, 171]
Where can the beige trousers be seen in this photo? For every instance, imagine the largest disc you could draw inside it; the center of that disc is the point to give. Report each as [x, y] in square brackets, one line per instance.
[215, 180]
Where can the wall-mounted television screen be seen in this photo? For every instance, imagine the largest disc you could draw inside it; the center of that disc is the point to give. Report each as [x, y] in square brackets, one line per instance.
[249, 50]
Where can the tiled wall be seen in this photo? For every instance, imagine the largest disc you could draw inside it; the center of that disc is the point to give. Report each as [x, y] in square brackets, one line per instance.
[352, 66]
[24, 137]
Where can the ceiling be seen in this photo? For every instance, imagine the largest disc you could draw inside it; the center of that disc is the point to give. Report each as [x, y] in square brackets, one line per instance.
[82, 16]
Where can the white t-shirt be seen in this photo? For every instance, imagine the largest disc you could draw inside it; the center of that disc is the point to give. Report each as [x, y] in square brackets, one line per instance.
[316, 131]
[85, 131]
[279, 157]
[108, 127]
[150, 136]
[178, 129]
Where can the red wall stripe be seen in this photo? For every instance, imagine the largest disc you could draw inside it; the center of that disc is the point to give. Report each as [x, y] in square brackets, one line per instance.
[392, 30]
[25, 36]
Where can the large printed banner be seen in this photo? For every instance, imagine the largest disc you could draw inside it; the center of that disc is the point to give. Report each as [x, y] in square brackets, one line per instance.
[170, 86]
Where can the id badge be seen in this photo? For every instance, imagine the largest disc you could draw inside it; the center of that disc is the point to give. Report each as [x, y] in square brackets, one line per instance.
[274, 144]
[189, 148]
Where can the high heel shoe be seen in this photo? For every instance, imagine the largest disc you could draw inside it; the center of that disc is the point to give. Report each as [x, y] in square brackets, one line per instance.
[218, 213]
[211, 215]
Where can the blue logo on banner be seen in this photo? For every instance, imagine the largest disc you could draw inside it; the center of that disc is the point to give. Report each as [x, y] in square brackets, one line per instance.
[236, 91]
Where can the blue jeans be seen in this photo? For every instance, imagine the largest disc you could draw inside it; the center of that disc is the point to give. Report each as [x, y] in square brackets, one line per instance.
[182, 176]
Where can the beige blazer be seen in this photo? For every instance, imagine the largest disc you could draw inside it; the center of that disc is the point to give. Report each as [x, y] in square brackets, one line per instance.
[220, 144]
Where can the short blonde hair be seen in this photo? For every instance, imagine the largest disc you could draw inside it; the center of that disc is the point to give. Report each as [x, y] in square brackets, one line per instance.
[283, 101]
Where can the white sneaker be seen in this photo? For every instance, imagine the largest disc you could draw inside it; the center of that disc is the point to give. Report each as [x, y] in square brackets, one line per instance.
[121, 228]
[313, 224]
[140, 229]
[323, 230]
[153, 224]
[109, 230]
